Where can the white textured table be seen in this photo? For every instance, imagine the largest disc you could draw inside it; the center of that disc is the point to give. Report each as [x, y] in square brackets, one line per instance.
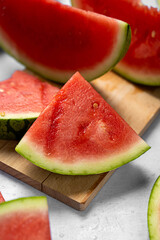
[118, 212]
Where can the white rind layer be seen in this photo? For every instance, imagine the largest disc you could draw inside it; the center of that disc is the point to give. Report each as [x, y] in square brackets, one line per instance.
[137, 75]
[92, 165]
[29, 204]
[19, 116]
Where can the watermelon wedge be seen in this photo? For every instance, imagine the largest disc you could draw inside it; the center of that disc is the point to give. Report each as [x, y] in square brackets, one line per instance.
[78, 133]
[25, 219]
[22, 98]
[154, 211]
[1, 198]
[55, 40]
[141, 64]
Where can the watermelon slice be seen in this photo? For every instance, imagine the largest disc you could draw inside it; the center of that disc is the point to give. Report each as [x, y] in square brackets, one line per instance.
[25, 218]
[1, 198]
[22, 98]
[78, 133]
[141, 64]
[56, 40]
[154, 211]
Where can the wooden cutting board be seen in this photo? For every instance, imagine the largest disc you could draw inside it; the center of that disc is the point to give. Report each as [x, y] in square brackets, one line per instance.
[137, 105]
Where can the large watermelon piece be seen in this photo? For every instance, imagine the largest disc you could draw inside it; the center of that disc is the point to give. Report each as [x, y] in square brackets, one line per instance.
[22, 98]
[141, 64]
[154, 212]
[56, 40]
[1, 198]
[25, 219]
[79, 134]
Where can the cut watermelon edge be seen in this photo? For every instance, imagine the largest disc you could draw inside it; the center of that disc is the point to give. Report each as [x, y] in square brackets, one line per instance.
[19, 116]
[62, 76]
[28, 150]
[31, 204]
[128, 73]
[153, 211]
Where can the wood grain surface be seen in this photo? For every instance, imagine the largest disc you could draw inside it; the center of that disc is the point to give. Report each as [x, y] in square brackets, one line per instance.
[137, 105]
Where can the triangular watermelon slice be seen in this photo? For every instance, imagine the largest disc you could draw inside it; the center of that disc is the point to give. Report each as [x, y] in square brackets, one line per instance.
[79, 133]
[25, 219]
[56, 40]
[141, 64]
[22, 98]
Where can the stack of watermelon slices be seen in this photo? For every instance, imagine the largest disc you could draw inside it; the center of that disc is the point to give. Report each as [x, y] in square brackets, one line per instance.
[78, 132]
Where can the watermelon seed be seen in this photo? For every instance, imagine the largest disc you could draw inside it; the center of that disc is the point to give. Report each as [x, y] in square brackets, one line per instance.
[135, 31]
[153, 34]
[1, 90]
[95, 105]
[2, 114]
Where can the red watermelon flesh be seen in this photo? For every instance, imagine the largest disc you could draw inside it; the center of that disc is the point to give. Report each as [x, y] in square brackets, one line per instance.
[79, 133]
[56, 40]
[22, 98]
[1, 198]
[24, 219]
[142, 61]
[25, 93]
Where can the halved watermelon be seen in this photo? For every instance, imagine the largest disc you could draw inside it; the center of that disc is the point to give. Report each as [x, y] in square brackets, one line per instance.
[141, 64]
[56, 40]
[79, 133]
[22, 98]
[25, 219]
[154, 211]
[1, 198]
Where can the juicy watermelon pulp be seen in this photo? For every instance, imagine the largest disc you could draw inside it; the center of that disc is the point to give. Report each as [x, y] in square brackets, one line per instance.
[141, 64]
[56, 40]
[79, 133]
[1, 198]
[25, 218]
[22, 98]
[154, 211]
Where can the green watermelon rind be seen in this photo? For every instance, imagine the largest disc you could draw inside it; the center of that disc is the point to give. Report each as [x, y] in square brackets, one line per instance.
[29, 204]
[135, 76]
[14, 126]
[62, 76]
[153, 211]
[30, 151]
